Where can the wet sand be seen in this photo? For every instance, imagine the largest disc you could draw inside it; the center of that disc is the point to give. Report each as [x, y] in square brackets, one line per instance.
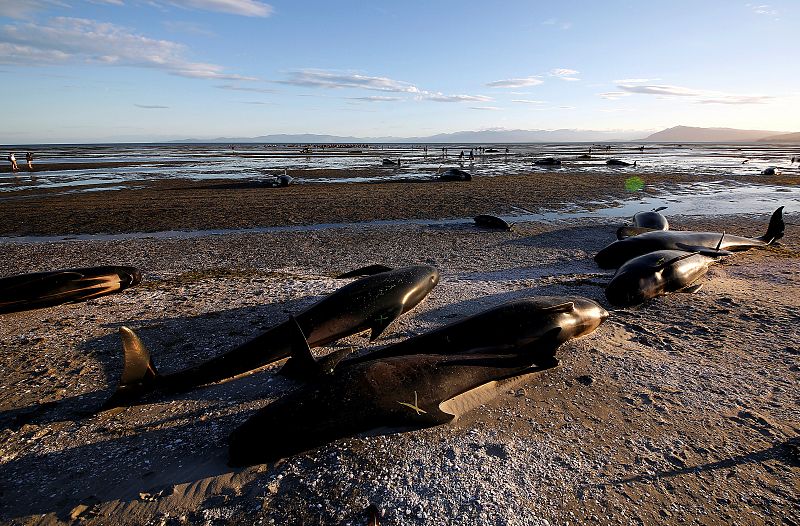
[224, 204]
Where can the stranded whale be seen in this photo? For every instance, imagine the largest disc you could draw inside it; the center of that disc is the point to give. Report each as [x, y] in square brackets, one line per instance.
[371, 303]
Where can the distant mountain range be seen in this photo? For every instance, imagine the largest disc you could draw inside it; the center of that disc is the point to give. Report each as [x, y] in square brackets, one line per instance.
[691, 134]
[786, 137]
[677, 134]
[493, 136]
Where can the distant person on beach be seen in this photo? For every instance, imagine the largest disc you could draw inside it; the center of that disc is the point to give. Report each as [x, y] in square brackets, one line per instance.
[461, 156]
[29, 158]
[13, 160]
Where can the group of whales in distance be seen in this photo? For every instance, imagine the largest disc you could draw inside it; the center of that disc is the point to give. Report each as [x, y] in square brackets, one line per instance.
[652, 260]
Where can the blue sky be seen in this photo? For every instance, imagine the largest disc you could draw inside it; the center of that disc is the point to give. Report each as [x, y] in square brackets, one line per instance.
[105, 70]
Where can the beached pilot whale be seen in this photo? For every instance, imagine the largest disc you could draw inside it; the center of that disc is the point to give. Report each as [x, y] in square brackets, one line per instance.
[389, 162]
[547, 161]
[454, 174]
[489, 221]
[659, 273]
[618, 252]
[618, 162]
[46, 289]
[370, 303]
[428, 380]
[644, 222]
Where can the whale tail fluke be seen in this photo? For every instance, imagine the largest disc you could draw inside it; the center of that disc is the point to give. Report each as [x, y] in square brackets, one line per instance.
[775, 228]
[138, 372]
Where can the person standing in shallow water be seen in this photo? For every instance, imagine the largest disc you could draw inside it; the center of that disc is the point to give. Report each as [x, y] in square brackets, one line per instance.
[13, 160]
[29, 158]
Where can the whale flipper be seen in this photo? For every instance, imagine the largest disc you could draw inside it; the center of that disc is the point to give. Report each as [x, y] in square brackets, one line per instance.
[138, 372]
[477, 396]
[382, 321]
[691, 289]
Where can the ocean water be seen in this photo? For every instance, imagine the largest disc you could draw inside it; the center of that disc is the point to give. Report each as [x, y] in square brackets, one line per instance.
[85, 167]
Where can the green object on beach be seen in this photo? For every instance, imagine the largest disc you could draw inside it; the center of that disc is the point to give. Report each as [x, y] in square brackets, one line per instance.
[634, 184]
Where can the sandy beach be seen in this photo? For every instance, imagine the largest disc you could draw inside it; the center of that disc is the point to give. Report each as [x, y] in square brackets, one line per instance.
[683, 410]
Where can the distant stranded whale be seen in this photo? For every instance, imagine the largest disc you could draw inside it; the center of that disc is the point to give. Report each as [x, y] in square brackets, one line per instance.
[427, 380]
[370, 303]
[46, 289]
[644, 222]
[618, 252]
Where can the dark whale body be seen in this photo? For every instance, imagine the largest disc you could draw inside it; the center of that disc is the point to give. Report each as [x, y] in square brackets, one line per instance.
[373, 303]
[656, 274]
[618, 252]
[427, 380]
[46, 289]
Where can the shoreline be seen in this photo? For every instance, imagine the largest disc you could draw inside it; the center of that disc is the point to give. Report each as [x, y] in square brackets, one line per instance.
[189, 205]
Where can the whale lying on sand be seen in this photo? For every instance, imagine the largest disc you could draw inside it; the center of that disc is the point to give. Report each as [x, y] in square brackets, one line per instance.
[659, 273]
[489, 221]
[547, 161]
[618, 252]
[454, 174]
[644, 222]
[428, 380]
[46, 289]
[371, 303]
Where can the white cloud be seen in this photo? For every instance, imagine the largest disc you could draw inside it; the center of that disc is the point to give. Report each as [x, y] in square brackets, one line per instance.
[614, 95]
[151, 107]
[516, 83]
[487, 108]
[529, 101]
[256, 102]
[562, 24]
[701, 96]
[438, 97]
[564, 74]
[234, 87]
[326, 79]
[763, 9]
[76, 40]
[234, 7]
[376, 98]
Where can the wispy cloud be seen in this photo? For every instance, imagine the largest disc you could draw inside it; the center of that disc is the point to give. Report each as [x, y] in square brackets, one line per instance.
[564, 74]
[24, 9]
[333, 80]
[634, 81]
[614, 95]
[376, 98]
[234, 7]
[151, 107]
[523, 82]
[701, 96]
[529, 101]
[439, 97]
[256, 102]
[487, 108]
[763, 9]
[76, 40]
[234, 87]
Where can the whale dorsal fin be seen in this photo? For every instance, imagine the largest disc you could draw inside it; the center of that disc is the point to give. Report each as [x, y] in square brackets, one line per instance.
[138, 372]
[369, 270]
[383, 320]
[719, 244]
[659, 209]
[301, 363]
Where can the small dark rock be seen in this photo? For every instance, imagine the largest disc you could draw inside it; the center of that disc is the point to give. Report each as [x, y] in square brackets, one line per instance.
[585, 379]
